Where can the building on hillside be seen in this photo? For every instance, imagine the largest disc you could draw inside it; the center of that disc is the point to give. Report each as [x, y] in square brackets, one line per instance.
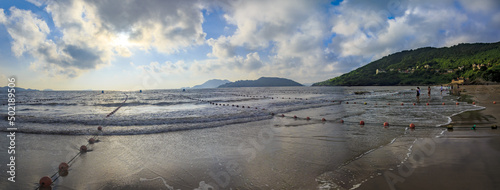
[379, 71]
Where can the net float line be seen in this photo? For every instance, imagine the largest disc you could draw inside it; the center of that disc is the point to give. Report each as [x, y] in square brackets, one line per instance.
[113, 112]
[63, 169]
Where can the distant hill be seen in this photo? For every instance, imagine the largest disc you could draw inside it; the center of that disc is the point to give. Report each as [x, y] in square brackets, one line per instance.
[262, 82]
[18, 89]
[427, 66]
[214, 83]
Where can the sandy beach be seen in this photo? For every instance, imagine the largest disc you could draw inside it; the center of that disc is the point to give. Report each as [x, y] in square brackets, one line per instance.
[280, 152]
[462, 158]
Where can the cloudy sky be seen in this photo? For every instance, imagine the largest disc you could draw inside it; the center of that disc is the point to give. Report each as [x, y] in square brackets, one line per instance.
[153, 44]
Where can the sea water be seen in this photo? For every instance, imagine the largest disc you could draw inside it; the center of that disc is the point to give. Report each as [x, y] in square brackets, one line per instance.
[154, 111]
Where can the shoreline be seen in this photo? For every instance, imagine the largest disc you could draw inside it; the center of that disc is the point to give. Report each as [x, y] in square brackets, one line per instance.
[462, 158]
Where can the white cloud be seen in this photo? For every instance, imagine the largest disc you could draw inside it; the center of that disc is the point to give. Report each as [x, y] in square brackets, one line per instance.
[37, 3]
[62, 57]
[2, 16]
[221, 47]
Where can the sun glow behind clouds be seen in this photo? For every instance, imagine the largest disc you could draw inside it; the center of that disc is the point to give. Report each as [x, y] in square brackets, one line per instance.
[121, 44]
[121, 39]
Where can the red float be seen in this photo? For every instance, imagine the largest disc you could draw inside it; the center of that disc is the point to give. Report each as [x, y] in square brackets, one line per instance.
[45, 181]
[83, 148]
[362, 122]
[412, 126]
[63, 166]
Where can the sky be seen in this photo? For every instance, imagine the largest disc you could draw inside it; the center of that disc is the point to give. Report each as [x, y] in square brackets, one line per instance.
[170, 44]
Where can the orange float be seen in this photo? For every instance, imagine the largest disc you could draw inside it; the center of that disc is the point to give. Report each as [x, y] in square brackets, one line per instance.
[362, 122]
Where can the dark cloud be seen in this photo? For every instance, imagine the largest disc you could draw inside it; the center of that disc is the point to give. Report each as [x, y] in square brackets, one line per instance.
[82, 57]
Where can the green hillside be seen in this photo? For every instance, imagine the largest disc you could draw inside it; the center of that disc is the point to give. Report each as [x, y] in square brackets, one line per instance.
[427, 66]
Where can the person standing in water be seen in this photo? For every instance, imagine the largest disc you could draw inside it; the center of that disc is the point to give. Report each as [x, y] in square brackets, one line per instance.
[429, 91]
[441, 90]
[418, 94]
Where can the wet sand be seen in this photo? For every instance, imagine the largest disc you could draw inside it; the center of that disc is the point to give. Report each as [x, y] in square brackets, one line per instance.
[281, 153]
[461, 159]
